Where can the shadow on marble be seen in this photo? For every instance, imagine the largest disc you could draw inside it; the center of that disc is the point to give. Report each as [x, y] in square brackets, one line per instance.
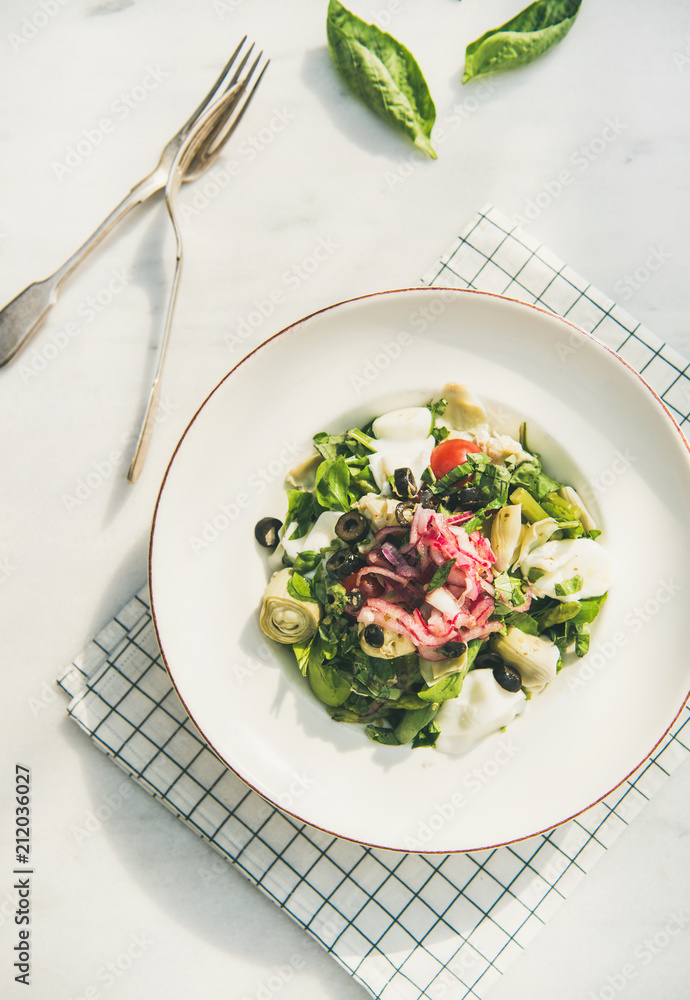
[350, 116]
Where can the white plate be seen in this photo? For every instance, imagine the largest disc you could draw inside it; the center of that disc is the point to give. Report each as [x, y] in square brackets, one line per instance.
[597, 426]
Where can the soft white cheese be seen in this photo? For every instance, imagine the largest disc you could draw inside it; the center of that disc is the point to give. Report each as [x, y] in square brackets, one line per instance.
[321, 534]
[402, 441]
[410, 424]
[482, 707]
[561, 560]
[391, 455]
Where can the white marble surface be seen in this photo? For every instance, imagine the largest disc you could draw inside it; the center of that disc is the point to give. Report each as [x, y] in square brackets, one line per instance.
[313, 166]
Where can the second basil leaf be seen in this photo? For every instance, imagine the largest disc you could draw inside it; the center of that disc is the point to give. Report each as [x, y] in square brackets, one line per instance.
[522, 39]
[383, 73]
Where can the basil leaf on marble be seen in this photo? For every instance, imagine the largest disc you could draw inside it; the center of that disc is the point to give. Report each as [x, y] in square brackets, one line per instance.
[383, 73]
[522, 39]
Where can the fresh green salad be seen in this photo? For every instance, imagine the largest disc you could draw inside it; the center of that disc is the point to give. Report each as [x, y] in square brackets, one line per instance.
[430, 575]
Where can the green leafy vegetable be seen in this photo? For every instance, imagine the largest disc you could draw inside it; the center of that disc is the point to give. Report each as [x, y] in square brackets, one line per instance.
[305, 562]
[522, 39]
[301, 511]
[568, 587]
[445, 689]
[412, 722]
[522, 620]
[326, 682]
[441, 574]
[530, 475]
[381, 734]
[332, 484]
[383, 73]
[427, 736]
[299, 588]
[301, 651]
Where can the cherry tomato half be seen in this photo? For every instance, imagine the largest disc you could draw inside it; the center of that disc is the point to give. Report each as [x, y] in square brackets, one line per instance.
[449, 454]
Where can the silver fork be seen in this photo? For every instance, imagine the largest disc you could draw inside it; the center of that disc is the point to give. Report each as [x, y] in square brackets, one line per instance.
[196, 153]
[23, 315]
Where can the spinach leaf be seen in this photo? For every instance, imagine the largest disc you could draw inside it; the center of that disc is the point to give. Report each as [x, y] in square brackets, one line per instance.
[427, 736]
[441, 575]
[299, 588]
[379, 734]
[412, 722]
[326, 682]
[530, 475]
[445, 689]
[383, 73]
[549, 612]
[332, 483]
[520, 40]
[589, 609]
[301, 511]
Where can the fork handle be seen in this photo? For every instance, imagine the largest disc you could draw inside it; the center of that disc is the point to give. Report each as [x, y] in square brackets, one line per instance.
[20, 319]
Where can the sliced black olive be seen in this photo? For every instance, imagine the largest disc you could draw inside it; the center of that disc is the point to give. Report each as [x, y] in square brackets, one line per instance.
[508, 677]
[373, 635]
[342, 563]
[355, 601]
[427, 498]
[488, 660]
[266, 531]
[469, 498]
[453, 649]
[352, 526]
[404, 513]
[404, 484]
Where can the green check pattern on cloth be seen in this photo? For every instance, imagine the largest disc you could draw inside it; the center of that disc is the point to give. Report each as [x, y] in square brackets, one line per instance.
[404, 925]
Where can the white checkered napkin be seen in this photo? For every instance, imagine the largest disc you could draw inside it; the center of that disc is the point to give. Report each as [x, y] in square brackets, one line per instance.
[405, 926]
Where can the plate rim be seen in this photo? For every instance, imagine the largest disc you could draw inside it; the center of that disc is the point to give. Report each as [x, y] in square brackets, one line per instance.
[292, 326]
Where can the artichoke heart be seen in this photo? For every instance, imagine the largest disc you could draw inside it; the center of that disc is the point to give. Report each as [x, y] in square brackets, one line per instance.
[436, 670]
[535, 657]
[506, 532]
[394, 644]
[283, 617]
[463, 412]
[303, 476]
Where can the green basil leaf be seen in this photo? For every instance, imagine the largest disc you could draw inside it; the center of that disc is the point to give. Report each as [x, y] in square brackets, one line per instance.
[522, 39]
[299, 588]
[441, 575]
[332, 483]
[383, 73]
[570, 586]
[524, 621]
[301, 511]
